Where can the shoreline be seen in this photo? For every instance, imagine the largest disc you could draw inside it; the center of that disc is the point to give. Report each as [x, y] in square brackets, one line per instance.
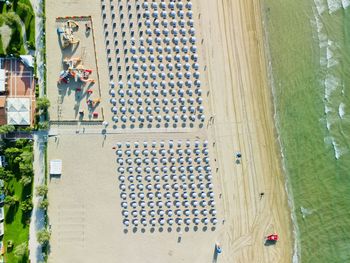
[249, 76]
[271, 83]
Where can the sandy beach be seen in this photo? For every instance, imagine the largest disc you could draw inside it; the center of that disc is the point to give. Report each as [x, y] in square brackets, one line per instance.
[85, 214]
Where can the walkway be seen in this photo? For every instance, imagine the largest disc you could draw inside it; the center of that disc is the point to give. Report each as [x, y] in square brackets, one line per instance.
[38, 215]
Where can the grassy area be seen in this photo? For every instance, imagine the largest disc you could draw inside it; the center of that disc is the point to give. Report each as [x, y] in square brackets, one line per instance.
[12, 15]
[18, 176]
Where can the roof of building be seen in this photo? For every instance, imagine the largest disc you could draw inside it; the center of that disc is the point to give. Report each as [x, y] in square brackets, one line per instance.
[56, 167]
[18, 111]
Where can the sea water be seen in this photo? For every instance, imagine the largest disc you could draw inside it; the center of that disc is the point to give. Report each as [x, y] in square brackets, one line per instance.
[309, 49]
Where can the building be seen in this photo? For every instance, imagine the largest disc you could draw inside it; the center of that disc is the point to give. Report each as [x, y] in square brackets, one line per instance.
[17, 91]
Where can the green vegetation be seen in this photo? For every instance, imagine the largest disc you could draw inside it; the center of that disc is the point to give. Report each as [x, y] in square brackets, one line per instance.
[41, 116]
[12, 15]
[17, 176]
[43, 237]
[6, 129]
[43, 103]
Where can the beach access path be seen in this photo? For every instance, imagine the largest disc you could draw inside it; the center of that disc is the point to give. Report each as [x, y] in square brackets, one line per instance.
[242, 106]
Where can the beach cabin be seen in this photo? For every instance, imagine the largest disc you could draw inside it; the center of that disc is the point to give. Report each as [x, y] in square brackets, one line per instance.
[56, 167]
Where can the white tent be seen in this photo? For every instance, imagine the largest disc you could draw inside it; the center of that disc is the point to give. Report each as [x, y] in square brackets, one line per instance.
[18, 111]
[28, 60]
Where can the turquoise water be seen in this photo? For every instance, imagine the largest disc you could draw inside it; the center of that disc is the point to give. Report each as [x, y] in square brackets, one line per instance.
[309, 42]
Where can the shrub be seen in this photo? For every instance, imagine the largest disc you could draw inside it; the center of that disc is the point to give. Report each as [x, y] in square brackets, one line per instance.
[44, 204]
[41, 190]
[27, 206]
[43, 237]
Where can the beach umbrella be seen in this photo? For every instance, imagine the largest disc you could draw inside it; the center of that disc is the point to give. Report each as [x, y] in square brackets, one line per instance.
[196, 221]
[187, 221]
[151, 204]
[212, 203]
[126, 222]
[152, 213]
[125, 213]
[213, 212]
[214, 221]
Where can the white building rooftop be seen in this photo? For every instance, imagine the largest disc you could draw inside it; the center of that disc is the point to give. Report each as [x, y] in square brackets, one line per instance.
[18, 111]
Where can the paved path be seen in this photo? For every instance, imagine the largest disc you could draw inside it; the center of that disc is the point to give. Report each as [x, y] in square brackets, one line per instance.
[38, 215]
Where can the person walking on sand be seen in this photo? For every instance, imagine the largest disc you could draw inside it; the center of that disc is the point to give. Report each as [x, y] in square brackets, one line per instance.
[262, 195]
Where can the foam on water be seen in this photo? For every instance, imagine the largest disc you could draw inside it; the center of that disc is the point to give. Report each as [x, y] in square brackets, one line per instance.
[331, 83]
[341, 110]
[320, 6]
[334, 5]
[345, 3]
[337, 149]
[327, 109]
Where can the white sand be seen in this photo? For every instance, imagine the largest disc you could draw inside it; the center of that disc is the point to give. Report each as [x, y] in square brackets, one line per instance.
[85, 212]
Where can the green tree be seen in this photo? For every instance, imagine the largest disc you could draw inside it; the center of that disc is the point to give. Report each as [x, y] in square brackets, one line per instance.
[27, 206]
[44, 204]
[41, 190]
[6, 129]
[43, 237]
[26, 169]
[27, 157]
[25, 180]
[11, 200]
[43, 103]
[12, 153]
[6, 175]
[43, 125]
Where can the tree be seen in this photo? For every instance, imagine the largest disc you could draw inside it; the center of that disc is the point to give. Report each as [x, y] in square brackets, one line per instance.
[11, 200]
[41, 190]
[27, 206]
[43, 103]
[25, 180]
[26, 169]
[12, 152]
[44, 125]
[44, 204]
[6, 175]
[27, 157]
[6, 129]
[43, 237]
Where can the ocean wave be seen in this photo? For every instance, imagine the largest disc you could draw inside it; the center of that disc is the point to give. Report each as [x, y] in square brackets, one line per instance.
[331, 61]
[341, 110]
[337, 149]
[334, 5]
[331, 83]
[345, 3]
[327, 109]
[320, 6]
